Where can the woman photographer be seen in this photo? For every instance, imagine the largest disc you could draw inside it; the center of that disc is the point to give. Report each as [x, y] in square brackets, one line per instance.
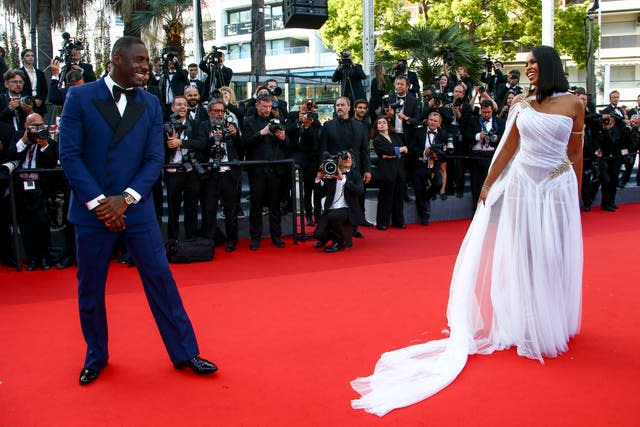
[391, 174]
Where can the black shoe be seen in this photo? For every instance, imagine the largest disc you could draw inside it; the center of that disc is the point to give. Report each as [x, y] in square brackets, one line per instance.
[231, 247]
[319, 244]
[334, 248]
[32, 265]
[64, 263]
[277, 242]
[443, 196]
[255, 245]
[199, 365]
[357, 234]
[367, 224]
[44, 264]
[310, 222]
[381, 227]
[604, 208]
[403, 226]
[459, 195]
[614, 206]
[87, 376]
[586, 208]
[424, 220]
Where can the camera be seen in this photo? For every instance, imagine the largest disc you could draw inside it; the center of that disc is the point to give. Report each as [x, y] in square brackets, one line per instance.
[35, 133]
[490, 138]
[214, 57]
[275, 125]
[167, 56]
[441, 98]
[488, 64]
[66, 50]
[8, 167]
[29, 100]
[329, 166]
[189, 163]
[217, 150]
[174, 124]
[345, 59]
[386, 103]
[277, 91]
[606, 121]
[458, 102]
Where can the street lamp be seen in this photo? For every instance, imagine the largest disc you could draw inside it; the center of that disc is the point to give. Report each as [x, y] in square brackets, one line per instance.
[591, 74]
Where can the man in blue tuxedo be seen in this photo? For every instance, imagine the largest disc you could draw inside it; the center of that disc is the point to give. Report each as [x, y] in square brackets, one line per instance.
[112, 153]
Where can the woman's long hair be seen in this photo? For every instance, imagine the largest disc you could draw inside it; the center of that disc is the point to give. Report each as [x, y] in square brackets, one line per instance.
[551, 76]
[381, 78]
[374, 128]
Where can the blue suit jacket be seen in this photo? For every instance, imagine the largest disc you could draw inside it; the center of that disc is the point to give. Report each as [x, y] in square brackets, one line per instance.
[103, 153]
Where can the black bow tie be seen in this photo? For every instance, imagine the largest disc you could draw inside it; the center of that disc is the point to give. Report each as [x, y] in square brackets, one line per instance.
[401, 97]
[193, 81]
[129, 93]
[433, 132]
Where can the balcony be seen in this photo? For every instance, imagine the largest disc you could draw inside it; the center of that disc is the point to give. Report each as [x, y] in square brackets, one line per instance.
[618, 42]
[241, 28]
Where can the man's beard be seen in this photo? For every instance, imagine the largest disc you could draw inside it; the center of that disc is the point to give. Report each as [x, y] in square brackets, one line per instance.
[192, 104]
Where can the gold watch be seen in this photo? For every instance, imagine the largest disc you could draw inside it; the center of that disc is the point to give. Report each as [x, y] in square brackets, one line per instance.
[128, 198]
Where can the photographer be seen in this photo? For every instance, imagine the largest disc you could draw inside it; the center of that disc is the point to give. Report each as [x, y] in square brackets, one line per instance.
[173, 81]
[183, 142]
[430, 179]
[512, 84]
[460, 131]
[7, 257]
[400, 68]
[196, 110]
[350, 76]
[341, 186]
[488, 131]
[461, 76]
[222, 182]
[34, 149]
[74, 51]
[591, 153]
[264, 138]
[492, 75]
[35, 84]
[303, 130]
[14, 108]
[277, 103]
[218, 74]
[57, 94]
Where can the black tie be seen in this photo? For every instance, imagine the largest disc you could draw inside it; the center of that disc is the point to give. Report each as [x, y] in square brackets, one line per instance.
[117, 91]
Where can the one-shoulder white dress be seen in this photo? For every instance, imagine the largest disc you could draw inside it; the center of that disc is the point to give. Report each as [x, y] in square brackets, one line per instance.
[517, 281]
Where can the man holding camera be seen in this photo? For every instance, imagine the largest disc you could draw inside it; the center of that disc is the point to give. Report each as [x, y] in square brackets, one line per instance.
[14, 109]
[174, 80]
[76, 64]
[223, 181]
[430, 177]
[400, 68]
[350, 76]
[341, 207]
[264, 138]
[303, 130]
[34, 149]
[277, 103]
[488, 131]
[218, 74]
[182, 143]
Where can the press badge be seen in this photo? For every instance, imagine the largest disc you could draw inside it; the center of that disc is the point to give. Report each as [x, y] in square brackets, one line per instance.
[624, 151]
[29, 185]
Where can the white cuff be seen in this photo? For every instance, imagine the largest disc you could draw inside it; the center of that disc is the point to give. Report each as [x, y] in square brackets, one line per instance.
[134, 193]
[20, 146]
[92, 204]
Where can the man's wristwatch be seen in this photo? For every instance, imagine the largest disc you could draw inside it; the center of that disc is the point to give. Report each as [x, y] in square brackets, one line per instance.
[128, 198]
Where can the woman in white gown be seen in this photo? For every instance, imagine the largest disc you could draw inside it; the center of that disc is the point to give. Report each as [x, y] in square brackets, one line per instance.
[517, 281]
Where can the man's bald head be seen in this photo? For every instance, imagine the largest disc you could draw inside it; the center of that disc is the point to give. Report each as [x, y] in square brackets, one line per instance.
[34, 119]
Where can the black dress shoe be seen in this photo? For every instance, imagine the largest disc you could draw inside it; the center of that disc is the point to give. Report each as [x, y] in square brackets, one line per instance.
[32, 265]
[424, 220]
[310, 222]
[277, 242]
[231, 247]
[357, 234]
[44, 264]
[381, 227]
[64, 263]
[367, 224]
[401, 226]
[586, 208]
[199, 365]
[614, 206]
[87, 376]
[334, 248]
[319, 244]
[604, 208]
[459, 195]
[255, 245]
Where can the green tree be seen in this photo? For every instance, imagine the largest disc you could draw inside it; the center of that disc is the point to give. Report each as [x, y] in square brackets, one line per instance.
[51, 14]
[571, 35]
[126, 9]
[343, 29]
[103, 41]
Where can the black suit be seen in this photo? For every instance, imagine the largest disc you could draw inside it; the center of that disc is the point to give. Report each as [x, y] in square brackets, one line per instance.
[31, 203]
[183, 184]
[428, 177]
[350, 79]
[332, 221]
[482, 154]
[391, 176]
[57, 95]
[88, 75]
[265, 182]
[7, 116]
[41, 90]
[221, 77]
[198, 84]
[6, 140]
[333, 140]
[175, 82]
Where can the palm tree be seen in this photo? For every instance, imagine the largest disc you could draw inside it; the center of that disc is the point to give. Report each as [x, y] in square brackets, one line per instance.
[437, 51]
[126, 9]
[51, 14]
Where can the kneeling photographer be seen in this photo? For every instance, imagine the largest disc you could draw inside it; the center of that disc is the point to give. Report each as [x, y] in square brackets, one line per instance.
[33, 149]
[341, 186]
[184, 153]
[222, 182]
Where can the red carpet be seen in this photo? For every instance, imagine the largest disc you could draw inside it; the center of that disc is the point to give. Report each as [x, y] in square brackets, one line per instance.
[290, 327]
